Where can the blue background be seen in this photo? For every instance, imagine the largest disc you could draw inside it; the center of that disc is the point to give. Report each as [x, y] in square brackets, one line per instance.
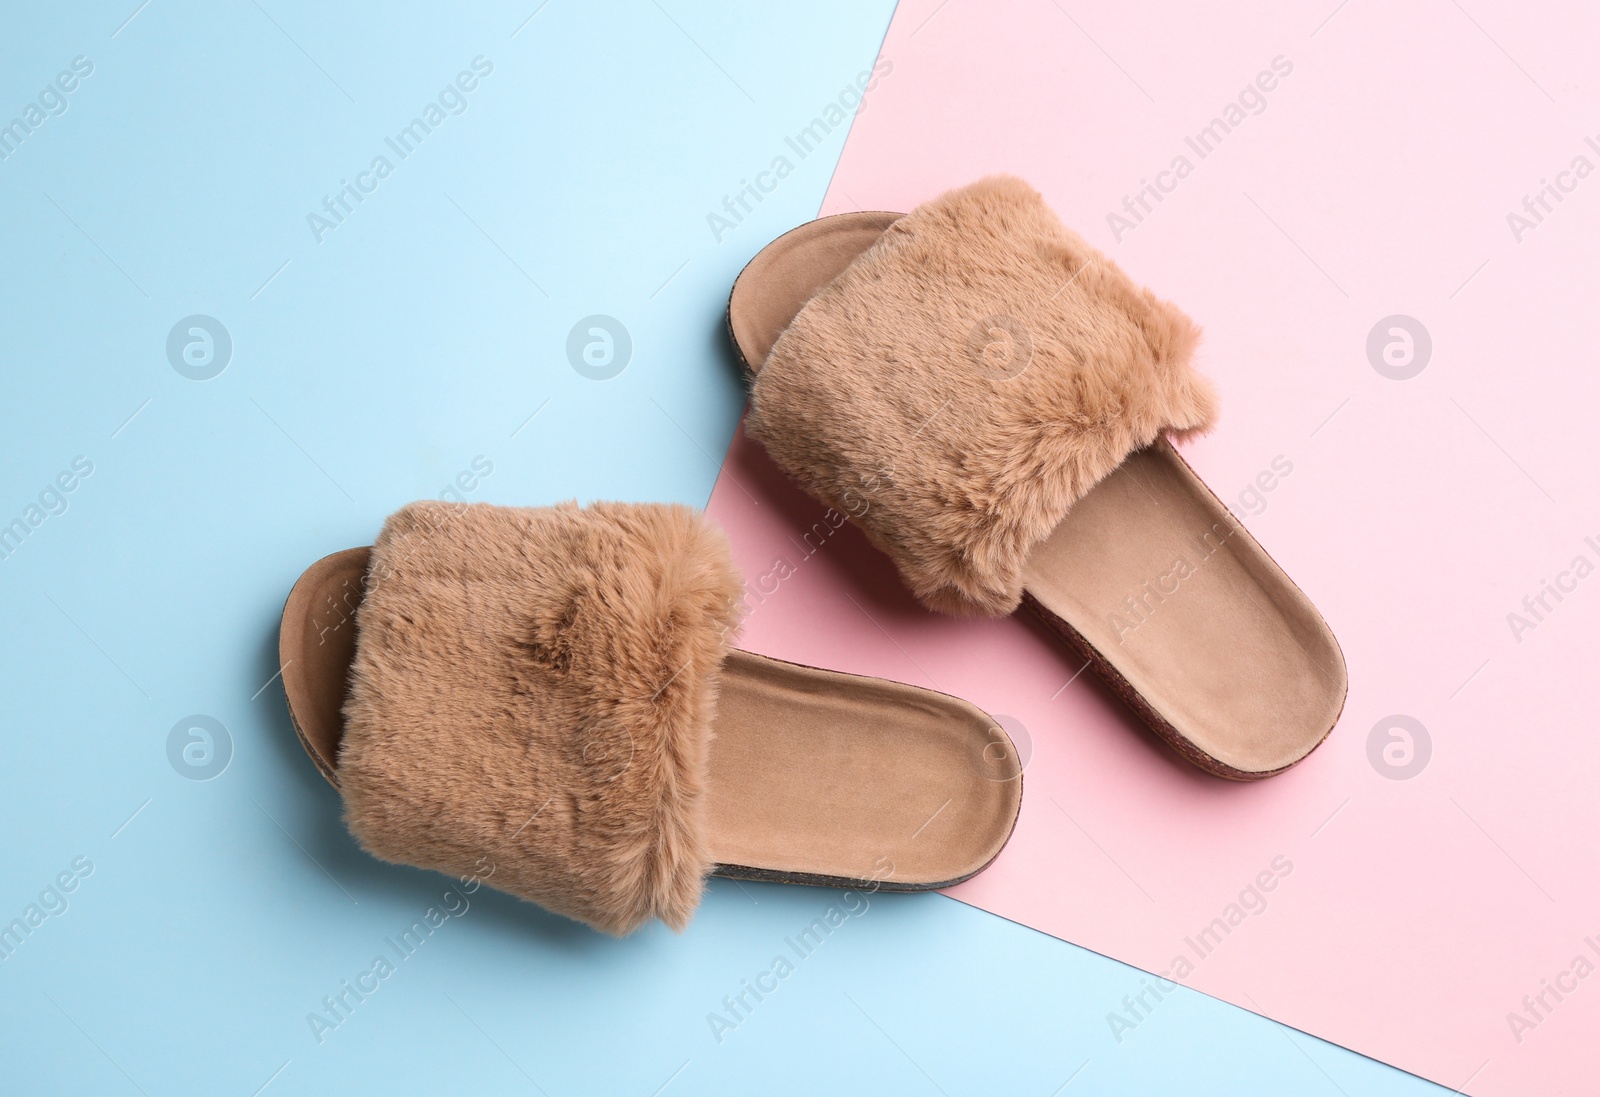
[369, 369]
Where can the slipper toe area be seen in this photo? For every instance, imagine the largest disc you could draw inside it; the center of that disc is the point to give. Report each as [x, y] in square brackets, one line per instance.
[316, 647]
[533, 690]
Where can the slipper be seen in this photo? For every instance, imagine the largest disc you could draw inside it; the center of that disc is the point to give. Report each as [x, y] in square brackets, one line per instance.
[549, 693]
[991, 399]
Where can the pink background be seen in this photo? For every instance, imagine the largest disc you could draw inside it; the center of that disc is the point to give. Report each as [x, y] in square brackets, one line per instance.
[1377, 180]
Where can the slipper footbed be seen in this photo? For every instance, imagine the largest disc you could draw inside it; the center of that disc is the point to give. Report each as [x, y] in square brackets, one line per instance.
[814, 776]
[1149, 576]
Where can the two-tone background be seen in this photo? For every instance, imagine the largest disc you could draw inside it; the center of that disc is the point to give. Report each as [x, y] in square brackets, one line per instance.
[271, 270]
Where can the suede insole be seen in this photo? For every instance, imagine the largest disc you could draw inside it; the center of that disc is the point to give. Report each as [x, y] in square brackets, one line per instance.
[1148, 576]
[815, 776]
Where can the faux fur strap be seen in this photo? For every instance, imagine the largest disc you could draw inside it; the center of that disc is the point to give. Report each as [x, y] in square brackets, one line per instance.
[968, 378]
[531, 701]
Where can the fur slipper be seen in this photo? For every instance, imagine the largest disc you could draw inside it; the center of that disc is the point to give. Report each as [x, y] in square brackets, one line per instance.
[549, 694]
[995, 400]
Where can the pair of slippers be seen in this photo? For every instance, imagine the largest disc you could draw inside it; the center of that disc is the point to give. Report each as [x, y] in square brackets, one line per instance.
[553, 692]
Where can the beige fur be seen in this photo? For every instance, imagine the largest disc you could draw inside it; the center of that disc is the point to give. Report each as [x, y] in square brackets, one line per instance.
[880, 399]
[533, 690]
